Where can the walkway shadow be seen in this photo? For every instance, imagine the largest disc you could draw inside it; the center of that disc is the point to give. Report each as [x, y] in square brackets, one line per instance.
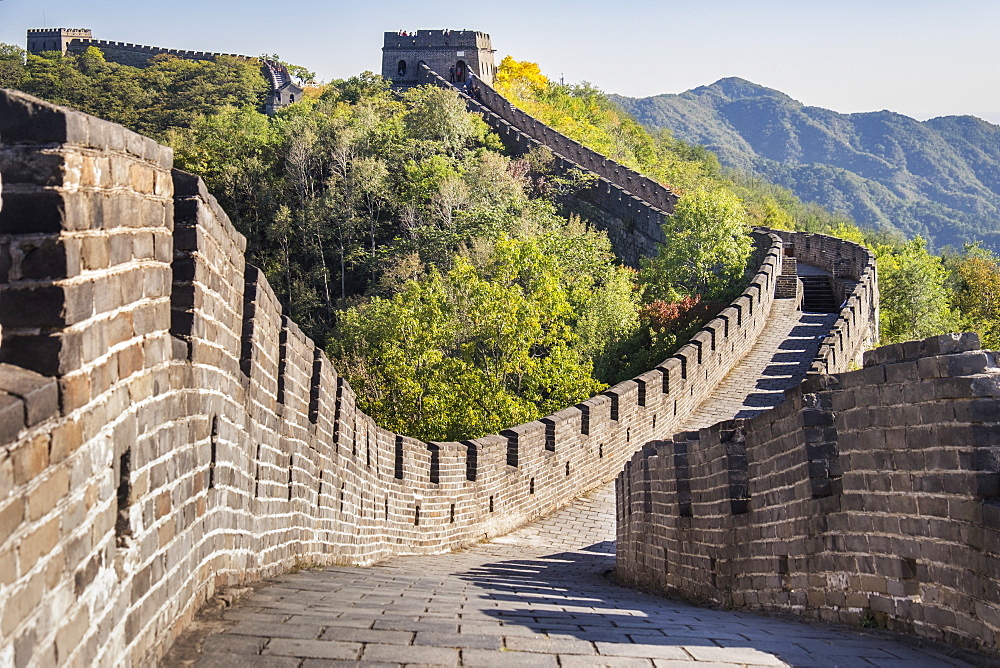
[569, 596]
[604, 547]
[788, 365]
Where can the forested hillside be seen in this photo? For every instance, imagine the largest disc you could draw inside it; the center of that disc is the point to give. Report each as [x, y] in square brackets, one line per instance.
[442, 274]
[922, 294]
[939, 179]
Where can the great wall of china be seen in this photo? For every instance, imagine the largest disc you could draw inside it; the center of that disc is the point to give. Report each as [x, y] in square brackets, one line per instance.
[76, 41]
[167, 432]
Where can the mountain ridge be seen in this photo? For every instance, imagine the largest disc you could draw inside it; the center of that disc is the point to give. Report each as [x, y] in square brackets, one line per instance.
[939, 178]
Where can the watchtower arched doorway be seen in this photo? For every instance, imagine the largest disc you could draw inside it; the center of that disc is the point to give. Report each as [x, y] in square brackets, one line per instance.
[461, 70]
[401, 69]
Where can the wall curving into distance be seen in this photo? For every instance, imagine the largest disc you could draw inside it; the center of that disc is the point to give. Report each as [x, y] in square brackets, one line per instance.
[165, 430]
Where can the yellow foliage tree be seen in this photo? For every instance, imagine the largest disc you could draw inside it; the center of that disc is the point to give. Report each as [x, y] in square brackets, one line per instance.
[519, 78]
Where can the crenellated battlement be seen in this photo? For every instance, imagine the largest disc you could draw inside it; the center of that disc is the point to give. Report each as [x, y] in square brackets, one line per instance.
[81, 32]
[80, 45]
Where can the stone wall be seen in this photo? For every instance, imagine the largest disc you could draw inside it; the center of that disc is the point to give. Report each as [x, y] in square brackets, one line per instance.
[139, 55]
[867, 497]
[627, 205]
[165, 430]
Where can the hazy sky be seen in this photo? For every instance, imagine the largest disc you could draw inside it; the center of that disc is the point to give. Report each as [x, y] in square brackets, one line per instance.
[918, 57]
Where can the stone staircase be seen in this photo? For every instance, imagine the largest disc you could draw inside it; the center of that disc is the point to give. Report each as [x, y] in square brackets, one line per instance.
[818, 294]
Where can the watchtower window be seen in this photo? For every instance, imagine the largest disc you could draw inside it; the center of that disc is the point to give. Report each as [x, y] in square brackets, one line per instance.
[291, 97]
[402, 68]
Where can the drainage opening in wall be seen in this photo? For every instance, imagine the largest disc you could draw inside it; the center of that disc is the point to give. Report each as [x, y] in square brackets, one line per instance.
[214, 451]
[256, 474]
[123, 527]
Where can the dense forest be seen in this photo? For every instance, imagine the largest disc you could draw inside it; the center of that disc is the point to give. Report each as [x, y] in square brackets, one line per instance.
[442, 274]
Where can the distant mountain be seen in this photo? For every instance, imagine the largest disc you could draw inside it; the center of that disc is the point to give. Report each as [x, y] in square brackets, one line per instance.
[938, 178]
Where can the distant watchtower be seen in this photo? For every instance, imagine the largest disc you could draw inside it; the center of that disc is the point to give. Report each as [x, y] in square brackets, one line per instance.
[55, 39]
[454, 54]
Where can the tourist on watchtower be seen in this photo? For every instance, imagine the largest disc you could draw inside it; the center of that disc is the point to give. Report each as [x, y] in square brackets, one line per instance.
[451, 74]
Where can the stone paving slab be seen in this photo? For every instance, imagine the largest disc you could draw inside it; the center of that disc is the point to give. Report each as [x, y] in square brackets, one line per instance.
[539, 598]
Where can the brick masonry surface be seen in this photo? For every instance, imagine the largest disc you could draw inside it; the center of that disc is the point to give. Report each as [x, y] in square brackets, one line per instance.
[867, 497]
[167, 431]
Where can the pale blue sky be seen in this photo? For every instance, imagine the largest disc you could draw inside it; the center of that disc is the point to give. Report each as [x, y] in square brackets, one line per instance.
[918, 57]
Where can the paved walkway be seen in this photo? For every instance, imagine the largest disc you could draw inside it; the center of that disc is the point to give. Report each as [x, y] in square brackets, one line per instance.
[778, 361]
[540, 596]
[537, 597]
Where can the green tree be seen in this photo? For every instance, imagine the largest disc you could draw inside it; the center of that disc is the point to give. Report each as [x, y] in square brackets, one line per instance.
[707, 249]
[236, 151]
[914, 299]
[506, 335]
[170, 93]
[978, 294]
[354, 90]
[183, 90]
[12, 68]
[438, 115]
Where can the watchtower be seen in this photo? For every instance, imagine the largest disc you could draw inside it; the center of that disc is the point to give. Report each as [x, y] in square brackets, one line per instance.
[55, 39]
[454, 54]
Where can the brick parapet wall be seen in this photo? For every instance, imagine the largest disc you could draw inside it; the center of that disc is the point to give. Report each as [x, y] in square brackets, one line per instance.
[869, 496]
[138, 55]
[633, 182]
